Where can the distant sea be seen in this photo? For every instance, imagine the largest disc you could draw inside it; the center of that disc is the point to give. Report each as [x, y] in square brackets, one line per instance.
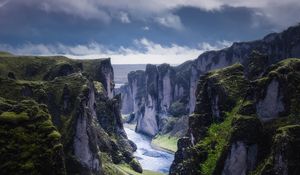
[121, 71]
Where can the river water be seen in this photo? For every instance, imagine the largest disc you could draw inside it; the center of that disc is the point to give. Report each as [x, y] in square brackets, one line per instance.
[150, 159]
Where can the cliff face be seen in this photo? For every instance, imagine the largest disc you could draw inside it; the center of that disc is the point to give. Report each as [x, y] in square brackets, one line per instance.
[150, 93]
[243, 126]
[85, 115]
[177, 85]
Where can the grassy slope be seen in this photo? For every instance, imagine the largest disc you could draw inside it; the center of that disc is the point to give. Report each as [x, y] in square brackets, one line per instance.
[121, 169]
[128, 171]
[220, 134]
[36, 67]
[165, 142]
[3, 53]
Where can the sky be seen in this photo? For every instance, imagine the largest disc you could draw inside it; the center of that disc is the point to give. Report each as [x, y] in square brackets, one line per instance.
[138, 31]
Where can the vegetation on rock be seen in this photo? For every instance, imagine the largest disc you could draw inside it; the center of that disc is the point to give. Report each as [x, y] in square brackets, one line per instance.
[219, 126]
[30, 143]
[40, 132]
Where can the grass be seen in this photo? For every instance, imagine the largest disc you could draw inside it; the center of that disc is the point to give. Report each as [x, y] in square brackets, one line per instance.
[20, 64]
[231, 79]
[12, 117]
[3, 53]
[37, 67]
[121, 169]
[128, 171]
[165, 142]
[218, 135]
[54, 135]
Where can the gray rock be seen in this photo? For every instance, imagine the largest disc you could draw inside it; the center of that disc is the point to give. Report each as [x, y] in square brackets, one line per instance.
[270, 107]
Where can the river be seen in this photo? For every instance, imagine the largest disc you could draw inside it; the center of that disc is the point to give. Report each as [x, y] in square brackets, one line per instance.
[150, 159]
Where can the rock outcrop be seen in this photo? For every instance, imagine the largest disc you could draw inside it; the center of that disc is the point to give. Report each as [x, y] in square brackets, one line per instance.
[270, 107]
[242, 126]
[177, 85]
[84, 116]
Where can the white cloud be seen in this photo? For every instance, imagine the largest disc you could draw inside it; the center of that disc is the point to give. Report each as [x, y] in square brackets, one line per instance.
[219, 44]
[171, 21]
[143, 51]
[146, 28]
[124, 18]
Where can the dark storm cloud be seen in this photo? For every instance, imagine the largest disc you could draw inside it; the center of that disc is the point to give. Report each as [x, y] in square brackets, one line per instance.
[117, 23]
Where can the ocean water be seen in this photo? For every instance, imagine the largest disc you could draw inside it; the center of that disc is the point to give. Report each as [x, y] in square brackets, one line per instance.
[121, 71]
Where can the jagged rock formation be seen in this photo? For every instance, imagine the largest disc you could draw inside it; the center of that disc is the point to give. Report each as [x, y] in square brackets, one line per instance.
[176, 86]
[88, 135]
[244, 126]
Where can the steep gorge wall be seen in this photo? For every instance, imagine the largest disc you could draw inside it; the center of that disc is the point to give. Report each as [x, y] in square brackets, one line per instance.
[232, 133]
[178, 84]
[151, 93]
[79, 97]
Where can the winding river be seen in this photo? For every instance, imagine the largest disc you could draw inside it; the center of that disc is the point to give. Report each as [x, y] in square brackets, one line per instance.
[150, 159]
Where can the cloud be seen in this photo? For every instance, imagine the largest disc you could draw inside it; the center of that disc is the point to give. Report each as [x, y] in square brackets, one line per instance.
[219, 44]
[171, 21]
[279, 12]
[146, 28]
[124, 18]
[3, 3]
[143, 51]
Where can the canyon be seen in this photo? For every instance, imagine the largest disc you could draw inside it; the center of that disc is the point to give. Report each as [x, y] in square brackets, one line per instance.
[160, 91]
[233, 111]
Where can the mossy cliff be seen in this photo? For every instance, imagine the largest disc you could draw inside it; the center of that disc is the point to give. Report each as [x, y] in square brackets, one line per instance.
[48, 68]
[175, 87]
[243, 126]
[30, 143]
[82, 116]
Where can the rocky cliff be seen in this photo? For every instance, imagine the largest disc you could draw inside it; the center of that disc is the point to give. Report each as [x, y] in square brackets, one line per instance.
[244, 125]
[174, 87]
[68, 120]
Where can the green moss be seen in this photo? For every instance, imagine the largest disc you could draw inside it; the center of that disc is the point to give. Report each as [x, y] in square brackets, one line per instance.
[287, 132]
[48, 80]
[28, 67]
[28, 166]
[165, 142]
[231, 79]
[126, 170]
[54, 135]
[99, 87]
[217, 139]
[75, 83]
[48, 67]
[12, 117]
[3, 53]
[25, 145]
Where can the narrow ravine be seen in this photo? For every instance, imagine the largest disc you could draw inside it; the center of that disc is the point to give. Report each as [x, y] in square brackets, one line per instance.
[150, 159]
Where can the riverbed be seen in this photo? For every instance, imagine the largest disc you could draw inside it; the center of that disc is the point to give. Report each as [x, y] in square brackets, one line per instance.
[149, 158]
